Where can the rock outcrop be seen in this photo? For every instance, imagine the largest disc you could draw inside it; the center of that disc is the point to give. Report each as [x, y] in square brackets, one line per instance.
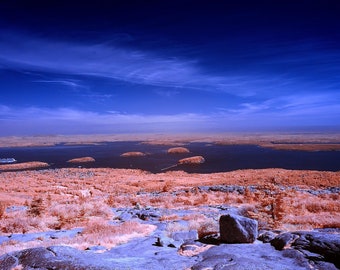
[192, 160]
[267, 236]
[317, 246]
[24, 166]
[82, 160]
[183, 250]
[133, 154]
[178, 150]
[237, 229]
[282, 240]
[246, 256]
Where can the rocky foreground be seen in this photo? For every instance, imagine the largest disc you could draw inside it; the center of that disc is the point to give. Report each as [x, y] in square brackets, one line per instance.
[235, 247]
[131, 219]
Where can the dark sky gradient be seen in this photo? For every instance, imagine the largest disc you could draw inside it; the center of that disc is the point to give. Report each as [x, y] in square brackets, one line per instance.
[168, 66]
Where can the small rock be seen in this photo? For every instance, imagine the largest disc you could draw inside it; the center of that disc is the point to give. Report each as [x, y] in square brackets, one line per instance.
[237, 229]
[283, 240]
[267, 236]
[164, 241]
[190, 246]
[185, 247]
[148, 214]
[211, 239]
[125, 216]
[96, 248]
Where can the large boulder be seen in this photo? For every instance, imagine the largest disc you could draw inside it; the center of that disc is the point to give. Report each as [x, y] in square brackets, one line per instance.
[237, 229]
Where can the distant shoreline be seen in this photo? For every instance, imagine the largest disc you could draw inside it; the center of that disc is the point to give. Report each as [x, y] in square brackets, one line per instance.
[279, 141]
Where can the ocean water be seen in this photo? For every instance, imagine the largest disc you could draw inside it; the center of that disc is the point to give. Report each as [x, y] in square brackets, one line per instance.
[219, 158]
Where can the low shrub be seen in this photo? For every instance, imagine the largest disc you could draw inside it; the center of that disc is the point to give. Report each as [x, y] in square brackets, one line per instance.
[3, 207]
[36, 207]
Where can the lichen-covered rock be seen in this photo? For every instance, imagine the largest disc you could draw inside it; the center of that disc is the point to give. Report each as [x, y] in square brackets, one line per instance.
[238, 229]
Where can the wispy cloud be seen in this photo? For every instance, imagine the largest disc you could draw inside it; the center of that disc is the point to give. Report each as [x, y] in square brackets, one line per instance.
[66, 120]
[79, 89]
[315, 105]
[299, 107]
[18, 51]
[97, 60]
[70, 83]
[249, 108]
[272, 98]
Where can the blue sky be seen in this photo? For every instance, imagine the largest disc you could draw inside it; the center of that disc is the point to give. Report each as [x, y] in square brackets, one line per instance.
[168, 66]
